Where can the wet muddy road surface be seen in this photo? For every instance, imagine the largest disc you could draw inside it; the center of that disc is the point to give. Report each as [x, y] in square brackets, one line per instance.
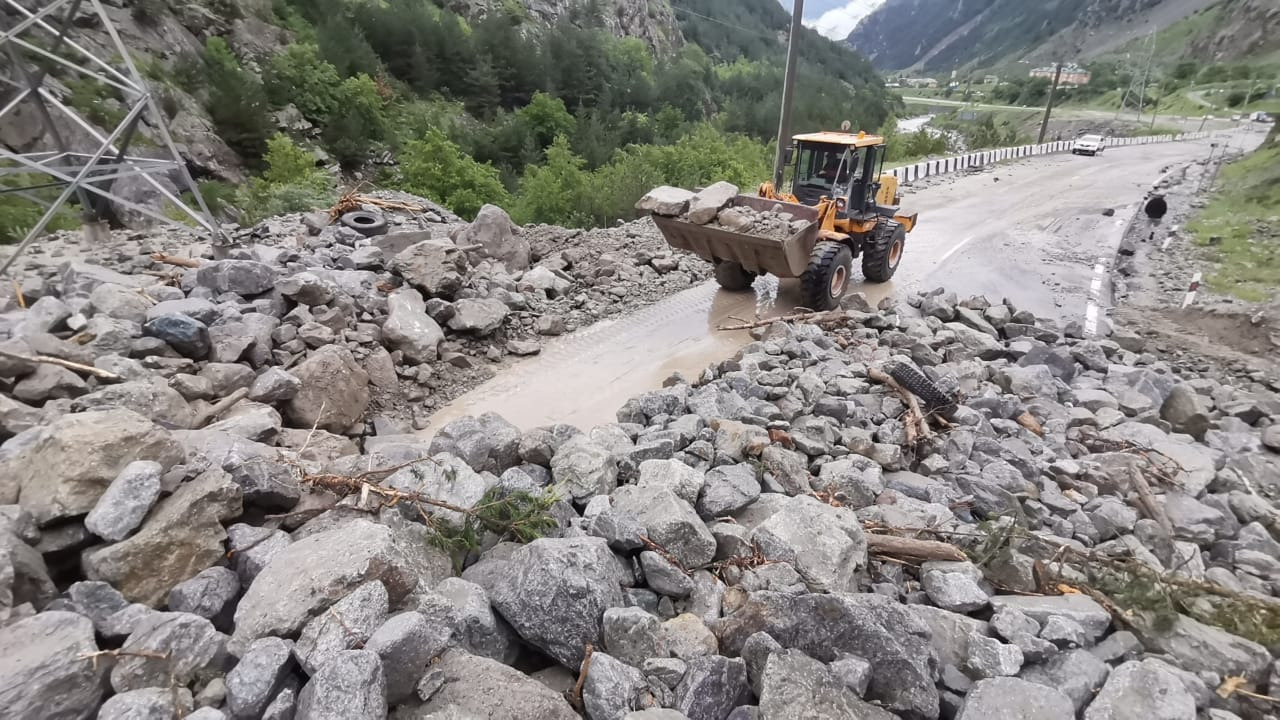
[1032, 231]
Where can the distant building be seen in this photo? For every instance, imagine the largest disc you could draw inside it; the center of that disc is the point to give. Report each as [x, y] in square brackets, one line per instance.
[1072, 74]
[920, 82]
[990, 79]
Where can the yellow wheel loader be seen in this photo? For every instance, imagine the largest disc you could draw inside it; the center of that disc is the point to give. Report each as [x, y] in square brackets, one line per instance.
[842, 206]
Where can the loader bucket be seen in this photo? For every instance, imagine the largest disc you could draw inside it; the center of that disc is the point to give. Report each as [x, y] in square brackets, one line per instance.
[787, 257]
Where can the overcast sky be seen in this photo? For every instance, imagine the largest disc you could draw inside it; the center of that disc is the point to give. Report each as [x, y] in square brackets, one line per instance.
[834, 18]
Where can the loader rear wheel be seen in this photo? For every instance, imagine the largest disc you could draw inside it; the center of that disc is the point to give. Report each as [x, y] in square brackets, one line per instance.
[827, 277]
[732, 276]
[882, 254]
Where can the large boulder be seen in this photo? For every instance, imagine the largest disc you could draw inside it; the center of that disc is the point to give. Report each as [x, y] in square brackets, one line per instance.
[258, 677]
[707, 203]
[1081, 609]
[668, 521]
[665, 200]
[824, 627]
[182, 536]
[554, 592]
[410, 329]
[186, 335]
[582, 469]
[334, 393]
[1142, 690]
[487, 442]
[480, 316]
[167, 648]
[308, 576]
[119, 302]
[1204, 648]
[152, 398]
[430, 264]
[823, 543]
[712, 687]
[121, 508]
[43, 673]
[88, 450]
[472, 686]
[350, 687]
[795, 685]
[498, 238]
[24, 577]
[242, 277]
[1007, 698]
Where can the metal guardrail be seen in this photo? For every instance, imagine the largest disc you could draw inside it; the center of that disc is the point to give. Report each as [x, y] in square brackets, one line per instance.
[942, 166]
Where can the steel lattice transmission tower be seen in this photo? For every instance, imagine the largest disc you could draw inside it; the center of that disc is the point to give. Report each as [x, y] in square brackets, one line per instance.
[38, 37]
[1137, 90]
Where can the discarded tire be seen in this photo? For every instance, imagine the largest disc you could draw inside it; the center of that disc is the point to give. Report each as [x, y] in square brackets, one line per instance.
[366, 223]
[933, 397]
[732, 276]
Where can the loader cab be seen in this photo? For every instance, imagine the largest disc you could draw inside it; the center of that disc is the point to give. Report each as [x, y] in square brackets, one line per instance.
[837, 165]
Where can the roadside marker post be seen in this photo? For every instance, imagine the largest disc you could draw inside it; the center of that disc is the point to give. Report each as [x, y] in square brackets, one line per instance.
[1191, 291]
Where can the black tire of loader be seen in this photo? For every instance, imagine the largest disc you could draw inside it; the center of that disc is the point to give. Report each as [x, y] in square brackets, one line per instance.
[880, 260]
[828, 258]
[732, 276]
[922, 387]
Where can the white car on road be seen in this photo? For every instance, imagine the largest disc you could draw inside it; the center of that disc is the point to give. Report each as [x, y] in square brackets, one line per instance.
[1088, 145]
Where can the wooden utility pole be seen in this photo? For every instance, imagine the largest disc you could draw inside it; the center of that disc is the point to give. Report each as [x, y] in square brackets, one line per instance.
[1048, 106]
[788, 90]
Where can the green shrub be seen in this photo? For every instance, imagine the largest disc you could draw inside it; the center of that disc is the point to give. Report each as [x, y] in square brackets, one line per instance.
[557, 191]
[18, 214]
[235, 101]
[357, 123]
[97, 101]
[291, 183]
[298, 75]
[436, 168]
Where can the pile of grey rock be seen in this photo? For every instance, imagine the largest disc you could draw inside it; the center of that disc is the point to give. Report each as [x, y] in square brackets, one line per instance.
[304, 313]
[710, 557]
[715, 205]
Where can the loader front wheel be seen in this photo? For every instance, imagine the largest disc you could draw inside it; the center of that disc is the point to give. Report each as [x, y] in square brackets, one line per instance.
[881, 256]
[827, 277]
[732, 276]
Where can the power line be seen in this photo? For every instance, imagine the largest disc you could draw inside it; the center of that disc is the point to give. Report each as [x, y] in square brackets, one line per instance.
[757, 33]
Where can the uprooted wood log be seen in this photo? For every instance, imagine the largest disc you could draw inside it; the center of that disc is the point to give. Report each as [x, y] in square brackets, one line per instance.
[913, 548]
[168, 259]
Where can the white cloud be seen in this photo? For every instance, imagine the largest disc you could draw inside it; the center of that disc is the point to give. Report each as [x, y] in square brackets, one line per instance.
[837, 23]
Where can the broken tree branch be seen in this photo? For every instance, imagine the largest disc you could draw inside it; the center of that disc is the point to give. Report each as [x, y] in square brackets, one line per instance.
[168, 259]
[810, 317]
[904, 547]
[97, 655]
[916, 425]
[216, 409]
[576, 698]
[86, 369]
[1155, 511]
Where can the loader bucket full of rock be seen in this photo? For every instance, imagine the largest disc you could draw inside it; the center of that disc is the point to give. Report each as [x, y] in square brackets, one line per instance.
[761, 235]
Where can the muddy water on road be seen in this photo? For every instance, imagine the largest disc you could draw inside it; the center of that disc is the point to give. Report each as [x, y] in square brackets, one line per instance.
[1034, 236]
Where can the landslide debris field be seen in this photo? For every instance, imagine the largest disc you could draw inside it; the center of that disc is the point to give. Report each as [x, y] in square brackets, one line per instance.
[213, 503]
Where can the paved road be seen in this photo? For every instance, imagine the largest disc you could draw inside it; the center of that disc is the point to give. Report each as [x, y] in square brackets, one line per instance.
[1032, 231]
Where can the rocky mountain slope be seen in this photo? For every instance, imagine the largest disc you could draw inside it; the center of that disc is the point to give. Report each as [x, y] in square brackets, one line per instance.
[935, 36]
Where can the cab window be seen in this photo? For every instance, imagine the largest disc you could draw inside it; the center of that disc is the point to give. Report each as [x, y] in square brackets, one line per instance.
[822, 167]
